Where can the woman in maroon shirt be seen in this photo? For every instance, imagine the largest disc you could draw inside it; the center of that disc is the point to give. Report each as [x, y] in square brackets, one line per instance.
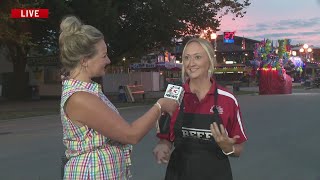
[206, 128]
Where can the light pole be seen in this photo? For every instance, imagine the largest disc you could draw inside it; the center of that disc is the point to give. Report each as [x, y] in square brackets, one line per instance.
[294, 53]
[127, 68]
[124, 63]
[301, 51]
[307, 50]
[213, 36]
[305, 47]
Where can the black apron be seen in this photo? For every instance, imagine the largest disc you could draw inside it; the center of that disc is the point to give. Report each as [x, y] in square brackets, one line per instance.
[196, 155]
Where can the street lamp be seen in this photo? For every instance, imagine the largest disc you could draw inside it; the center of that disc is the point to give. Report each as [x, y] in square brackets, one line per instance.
[307, 50]
[301, 51]
[127, 68]
[294, 53]
[123, 63]
[213, 36]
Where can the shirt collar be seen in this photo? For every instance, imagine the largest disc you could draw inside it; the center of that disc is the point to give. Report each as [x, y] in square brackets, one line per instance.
[187, 89]
[93, 86]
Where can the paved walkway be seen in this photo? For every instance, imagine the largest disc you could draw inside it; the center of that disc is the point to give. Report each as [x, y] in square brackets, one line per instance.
[28, 105]
[51, 103]
[6, 105]
[282, 142]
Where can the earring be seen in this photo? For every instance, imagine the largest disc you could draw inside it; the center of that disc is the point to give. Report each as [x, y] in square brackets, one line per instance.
[209, 72]
[84, 66]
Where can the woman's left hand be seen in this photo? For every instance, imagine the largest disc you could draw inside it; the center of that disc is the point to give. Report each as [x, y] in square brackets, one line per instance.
[221, 137]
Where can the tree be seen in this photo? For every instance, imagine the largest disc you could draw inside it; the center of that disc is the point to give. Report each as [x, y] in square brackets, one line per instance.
[15, 36]
[135, 26]
[19, 36]
[131, 27]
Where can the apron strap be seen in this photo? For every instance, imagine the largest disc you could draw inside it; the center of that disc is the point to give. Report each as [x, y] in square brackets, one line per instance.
[215, 109]
[179, 122]
[178, 125]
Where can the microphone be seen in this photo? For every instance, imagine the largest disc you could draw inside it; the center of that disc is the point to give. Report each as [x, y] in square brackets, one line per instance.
[173, 92]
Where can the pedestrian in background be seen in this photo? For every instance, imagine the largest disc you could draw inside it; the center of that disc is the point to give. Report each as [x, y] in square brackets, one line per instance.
[122, 94]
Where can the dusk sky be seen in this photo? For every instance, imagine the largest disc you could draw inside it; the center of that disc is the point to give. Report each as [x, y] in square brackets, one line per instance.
[298, 20]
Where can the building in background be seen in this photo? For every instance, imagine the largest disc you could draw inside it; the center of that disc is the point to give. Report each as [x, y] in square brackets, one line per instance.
[238, 52]
[233, 55]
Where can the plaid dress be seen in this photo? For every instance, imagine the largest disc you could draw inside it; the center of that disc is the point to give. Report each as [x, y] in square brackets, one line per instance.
[91, 155]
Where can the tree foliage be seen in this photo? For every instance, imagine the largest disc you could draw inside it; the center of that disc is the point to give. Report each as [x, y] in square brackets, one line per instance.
[135, 26]
[21, 35]
[131, 27]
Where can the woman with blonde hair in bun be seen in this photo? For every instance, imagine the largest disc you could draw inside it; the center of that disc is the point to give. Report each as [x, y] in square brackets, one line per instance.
[97, 139]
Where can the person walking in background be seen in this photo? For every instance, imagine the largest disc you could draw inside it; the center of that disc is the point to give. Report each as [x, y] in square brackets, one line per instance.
[207, 127]
[96, 137]
[122, 94]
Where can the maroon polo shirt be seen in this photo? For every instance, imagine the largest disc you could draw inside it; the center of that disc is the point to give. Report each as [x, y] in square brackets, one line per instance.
[227, 106]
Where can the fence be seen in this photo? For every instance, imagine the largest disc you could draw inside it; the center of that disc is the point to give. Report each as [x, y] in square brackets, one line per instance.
[151, 81]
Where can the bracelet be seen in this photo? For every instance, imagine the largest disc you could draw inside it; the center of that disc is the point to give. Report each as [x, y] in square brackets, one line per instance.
[159, 106]
[227, 154]
[157, 123]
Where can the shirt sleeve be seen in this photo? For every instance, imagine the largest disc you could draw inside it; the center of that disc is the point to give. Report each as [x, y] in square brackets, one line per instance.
[236, 126]
[170, 136]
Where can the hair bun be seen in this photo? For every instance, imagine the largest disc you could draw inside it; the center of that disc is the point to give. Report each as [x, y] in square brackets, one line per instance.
[70, 24]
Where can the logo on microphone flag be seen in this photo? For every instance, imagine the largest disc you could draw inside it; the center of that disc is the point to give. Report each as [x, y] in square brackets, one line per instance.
[174, 92]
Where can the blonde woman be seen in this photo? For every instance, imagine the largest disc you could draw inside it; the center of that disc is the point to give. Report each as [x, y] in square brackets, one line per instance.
[96, 137]
[207, 127]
